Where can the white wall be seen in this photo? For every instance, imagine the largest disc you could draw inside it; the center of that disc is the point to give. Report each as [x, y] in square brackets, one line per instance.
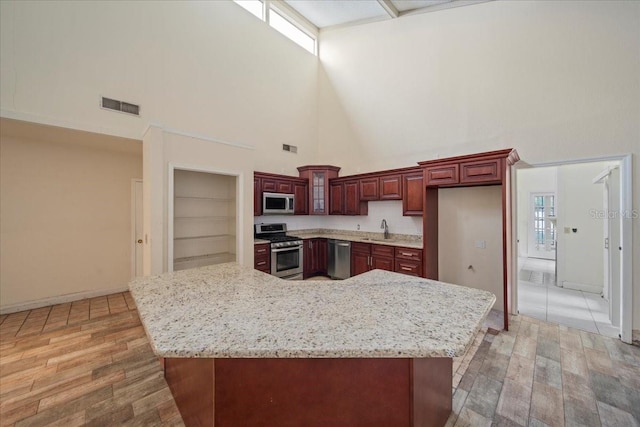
[467, 216]
[162, 149]
[493, 75]
[580, 254]
[65, 214]
[209, 68]
[531, 180]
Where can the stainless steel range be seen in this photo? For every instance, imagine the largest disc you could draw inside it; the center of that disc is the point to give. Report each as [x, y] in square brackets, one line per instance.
[286, 251]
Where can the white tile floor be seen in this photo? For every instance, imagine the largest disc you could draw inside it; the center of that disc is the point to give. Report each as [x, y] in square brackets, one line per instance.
[538, 297]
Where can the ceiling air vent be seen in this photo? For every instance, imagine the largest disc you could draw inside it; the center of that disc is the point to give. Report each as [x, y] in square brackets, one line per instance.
[124, 107]
[290, 148]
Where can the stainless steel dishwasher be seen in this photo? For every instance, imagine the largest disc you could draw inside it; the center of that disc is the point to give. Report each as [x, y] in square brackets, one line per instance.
[339, 259]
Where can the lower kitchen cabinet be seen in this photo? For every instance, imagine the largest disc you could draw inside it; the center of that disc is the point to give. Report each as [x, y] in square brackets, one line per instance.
[367, 256]
[408, 261]
[262, 257]
[315, 257]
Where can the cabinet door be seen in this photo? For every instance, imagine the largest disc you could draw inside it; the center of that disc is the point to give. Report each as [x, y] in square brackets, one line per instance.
[413, 194]
[381, 263]
[481, 172]
[369, 189]
[351, 198]
[319, 189]
[391, 187]
[257, 197]
[359, 263]
[269, 185]
[322, 251]
[283, 186]
[300, 193]
[443, 175]
[337, 199]
[307, 258]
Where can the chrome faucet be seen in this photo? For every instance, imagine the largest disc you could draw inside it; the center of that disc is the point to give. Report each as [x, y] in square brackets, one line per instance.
[386, 228]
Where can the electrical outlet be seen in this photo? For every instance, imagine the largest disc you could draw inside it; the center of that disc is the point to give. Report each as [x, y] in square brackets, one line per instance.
[567, 230]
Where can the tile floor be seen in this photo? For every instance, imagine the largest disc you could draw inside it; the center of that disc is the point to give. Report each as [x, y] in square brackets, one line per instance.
[538, 297]
[90, 363]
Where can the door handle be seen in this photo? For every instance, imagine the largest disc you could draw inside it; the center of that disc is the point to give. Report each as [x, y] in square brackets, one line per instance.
[139, 240]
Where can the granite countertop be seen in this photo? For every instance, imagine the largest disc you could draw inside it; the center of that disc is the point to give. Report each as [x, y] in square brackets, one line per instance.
[231, 311]
[403, 240]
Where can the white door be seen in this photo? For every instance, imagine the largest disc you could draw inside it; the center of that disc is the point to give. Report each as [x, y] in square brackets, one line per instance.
[137, 233]
[542, 226]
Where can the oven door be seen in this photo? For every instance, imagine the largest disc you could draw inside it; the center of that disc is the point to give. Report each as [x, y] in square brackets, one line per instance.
[287, 262]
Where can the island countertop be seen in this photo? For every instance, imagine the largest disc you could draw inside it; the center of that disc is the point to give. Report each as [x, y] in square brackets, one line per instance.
[232, 311]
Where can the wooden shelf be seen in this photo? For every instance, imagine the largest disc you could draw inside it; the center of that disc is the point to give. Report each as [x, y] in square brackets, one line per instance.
[218, 199]
[214, 236]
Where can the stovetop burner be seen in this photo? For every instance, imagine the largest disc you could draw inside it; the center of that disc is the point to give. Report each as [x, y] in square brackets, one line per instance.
[276, 234]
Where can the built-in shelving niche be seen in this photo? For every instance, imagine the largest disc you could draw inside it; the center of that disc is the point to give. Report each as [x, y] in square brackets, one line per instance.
[204, 219]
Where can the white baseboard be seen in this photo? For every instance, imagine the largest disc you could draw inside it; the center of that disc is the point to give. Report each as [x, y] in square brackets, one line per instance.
[594, 289]
[61, 299]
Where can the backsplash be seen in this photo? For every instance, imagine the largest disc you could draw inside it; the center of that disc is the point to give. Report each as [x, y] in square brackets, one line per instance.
[391, 210]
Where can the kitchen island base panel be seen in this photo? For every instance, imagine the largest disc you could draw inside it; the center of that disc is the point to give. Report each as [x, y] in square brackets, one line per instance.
[312, 392]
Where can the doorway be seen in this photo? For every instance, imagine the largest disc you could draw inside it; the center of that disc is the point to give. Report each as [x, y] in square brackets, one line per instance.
[137, 233]
[562, 275]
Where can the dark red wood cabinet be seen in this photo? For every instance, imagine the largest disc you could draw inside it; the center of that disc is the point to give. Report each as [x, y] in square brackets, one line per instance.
[318, 177]
[369, 189]
[315, 257]
[391, 187]
[413, 194]
[262, 257]
[274, 183]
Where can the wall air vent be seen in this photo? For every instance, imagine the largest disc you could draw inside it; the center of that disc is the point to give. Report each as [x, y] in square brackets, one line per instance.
[290, 148]
[123, 107]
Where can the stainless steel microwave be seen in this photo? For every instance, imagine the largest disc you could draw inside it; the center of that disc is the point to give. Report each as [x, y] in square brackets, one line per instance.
[277, 203]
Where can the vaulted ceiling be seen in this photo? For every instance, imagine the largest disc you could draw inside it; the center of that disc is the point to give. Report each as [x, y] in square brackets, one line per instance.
[330, 13]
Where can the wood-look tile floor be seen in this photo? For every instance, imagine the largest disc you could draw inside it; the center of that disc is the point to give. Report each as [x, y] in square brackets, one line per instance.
[83, 363]
[90, 363]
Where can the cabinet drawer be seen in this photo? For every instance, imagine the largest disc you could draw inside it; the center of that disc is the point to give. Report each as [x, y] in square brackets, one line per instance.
[361, 247]
[481, 172]
[382, 250]
[409, 254]
[261, 249]
[412, 268]
[261, 263]
[443, 175]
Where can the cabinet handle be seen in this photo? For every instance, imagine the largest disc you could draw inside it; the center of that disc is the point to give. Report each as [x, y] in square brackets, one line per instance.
[262, 263]
[407, 254]
[261, 250]
[406, 268]
[309, 244]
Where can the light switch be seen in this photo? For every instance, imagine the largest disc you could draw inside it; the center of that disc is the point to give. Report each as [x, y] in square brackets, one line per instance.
[567, 230]
[481, 244]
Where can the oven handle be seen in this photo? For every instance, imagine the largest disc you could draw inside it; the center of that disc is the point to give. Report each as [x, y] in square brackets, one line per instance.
[287, 249]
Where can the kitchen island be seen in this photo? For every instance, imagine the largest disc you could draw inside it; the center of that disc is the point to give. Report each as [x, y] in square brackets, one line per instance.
[241, 347]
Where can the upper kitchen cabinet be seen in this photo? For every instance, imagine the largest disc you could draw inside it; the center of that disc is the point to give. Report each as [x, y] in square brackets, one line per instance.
[369, 188]
[413, 193]
[345, 198]
[273, 183]
[463, 171]
[318, 191]
[391, 187]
